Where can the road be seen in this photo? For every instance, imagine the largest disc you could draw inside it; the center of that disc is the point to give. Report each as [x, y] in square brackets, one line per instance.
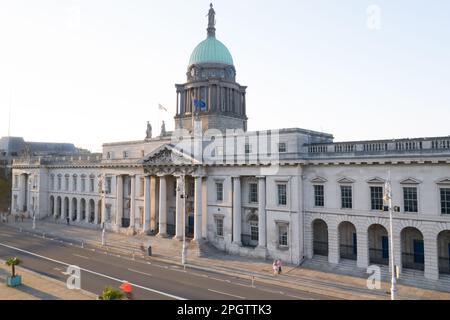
[152, 280]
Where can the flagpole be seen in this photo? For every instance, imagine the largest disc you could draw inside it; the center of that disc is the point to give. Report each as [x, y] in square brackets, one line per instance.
[388, 195]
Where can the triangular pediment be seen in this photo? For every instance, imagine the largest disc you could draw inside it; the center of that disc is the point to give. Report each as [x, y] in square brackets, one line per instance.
[168, 155]
[410, 181]
[346, 180]
[444, 181]
[376, 180]
[318, 180]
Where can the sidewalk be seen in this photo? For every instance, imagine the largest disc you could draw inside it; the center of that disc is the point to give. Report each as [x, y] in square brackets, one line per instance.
[37, 287]
[337, 286]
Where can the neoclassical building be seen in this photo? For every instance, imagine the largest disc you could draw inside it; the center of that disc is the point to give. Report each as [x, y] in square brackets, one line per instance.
[289, 193]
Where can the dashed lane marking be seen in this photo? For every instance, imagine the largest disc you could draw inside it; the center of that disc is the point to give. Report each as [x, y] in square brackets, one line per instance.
[140, 272]
[226, 294]
[80, 256]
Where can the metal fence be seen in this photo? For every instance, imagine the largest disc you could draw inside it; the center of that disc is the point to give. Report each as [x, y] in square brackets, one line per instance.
[347, 252]
[444, 265]
[378, 256]
[413, 261]
[321, 248]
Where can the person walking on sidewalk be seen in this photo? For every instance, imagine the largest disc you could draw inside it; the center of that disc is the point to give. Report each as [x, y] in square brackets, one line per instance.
[275, 267]
[68, 220]
[279, 265]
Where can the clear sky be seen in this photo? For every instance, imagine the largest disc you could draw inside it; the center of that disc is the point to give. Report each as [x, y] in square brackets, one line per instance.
[94, 71]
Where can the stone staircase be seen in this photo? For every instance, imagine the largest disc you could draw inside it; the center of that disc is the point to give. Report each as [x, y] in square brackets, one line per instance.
[409, 277]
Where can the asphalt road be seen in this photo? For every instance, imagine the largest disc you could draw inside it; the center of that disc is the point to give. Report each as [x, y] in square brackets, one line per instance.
[151, 280]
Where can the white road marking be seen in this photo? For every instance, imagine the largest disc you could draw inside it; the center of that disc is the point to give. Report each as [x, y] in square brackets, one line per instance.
[80, 256]
[57, 269]
[93, 272]
[226, 294]
[137, 271]
[217, 279]
[7, 235]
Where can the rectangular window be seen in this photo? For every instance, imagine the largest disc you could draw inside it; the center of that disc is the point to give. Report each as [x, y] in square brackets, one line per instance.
[253, 193]
[59, 183]
[283, 236]
[346, 197]
[254, 233]
[410, 199]
[83, 184]
[142, 186]
[66, 183]
[16, 181]
[376, 198]
[74, 183]
[319, 196]
[15, 202]
[52, 183]
[219, 227]
[282, 147]
[91, 184]
[445, 200]
[108, 185]
[125, 154]
[219, 191]
[248, 148]
[282, 194]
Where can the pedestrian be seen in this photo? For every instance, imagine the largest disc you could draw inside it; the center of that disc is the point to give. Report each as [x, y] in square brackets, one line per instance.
[22, 216]
[68, 220]
[275, 267]
[279, 265]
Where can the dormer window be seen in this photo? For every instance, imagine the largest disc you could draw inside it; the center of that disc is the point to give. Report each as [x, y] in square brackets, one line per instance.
[125, 154]
[282, 147]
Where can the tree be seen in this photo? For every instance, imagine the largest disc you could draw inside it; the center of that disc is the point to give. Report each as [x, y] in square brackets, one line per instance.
[13, 262]
[109, 293]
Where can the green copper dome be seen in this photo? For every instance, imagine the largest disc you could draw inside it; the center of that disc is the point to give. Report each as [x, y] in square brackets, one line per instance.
[211, 50]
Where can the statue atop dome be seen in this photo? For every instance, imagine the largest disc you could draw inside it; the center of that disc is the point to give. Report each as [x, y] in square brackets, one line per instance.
[211, 21]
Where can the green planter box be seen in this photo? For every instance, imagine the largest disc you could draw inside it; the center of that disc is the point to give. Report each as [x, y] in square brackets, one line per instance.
[13, 281]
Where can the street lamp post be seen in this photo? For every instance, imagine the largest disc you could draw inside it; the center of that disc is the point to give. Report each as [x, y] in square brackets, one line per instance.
[183, 196]
[34, 219]
[103, 197]
[388, 200]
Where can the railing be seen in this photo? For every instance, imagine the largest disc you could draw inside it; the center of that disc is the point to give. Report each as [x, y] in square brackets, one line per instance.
[320, 248]
[125, 222]
[444, 265]
[247, 241]
[378, 256]
[413, 261]
[347, 252]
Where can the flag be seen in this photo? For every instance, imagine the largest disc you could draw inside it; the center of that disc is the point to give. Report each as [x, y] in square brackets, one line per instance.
[162, 108]
[200, 104]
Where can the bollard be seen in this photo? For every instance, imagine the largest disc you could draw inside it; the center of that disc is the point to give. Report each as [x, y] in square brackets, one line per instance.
[82, 244]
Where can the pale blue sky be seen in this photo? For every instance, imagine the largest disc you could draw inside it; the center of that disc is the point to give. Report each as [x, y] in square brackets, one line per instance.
[90, 72]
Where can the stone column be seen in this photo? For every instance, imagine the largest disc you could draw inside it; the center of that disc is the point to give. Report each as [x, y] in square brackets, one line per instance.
[96, 212]
[63, 208]
[237, 211]
[362, 248]
[262, 212]
[162, 206]
[198, 204]
[153, 203]
[431, 256]
[333, 243]
[146, 204]
[87, 212]
[132, 203]
[179, 227]
[70, 209]
[119, 201]
[79, 210]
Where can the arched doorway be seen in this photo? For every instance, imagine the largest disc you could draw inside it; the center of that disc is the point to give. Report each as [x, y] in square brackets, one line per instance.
[74, 209]
[66, 207]
[413, 256]
[320, 237]
[83, 209]
[444, 251]
[52, 205]
[250, 236]
[378, 244]
[347, 240]
[91, 211]
[58, 207]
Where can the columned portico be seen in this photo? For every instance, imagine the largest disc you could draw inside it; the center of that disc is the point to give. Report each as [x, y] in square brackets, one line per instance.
[162, 206]
[262, 240]
[198, 204]
[237, 219]
[132, 202]
[119, 201]
[179, 203]
[145, 224]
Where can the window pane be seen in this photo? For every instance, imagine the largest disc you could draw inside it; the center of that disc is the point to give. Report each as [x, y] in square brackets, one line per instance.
[346, 197]
[376, 198]
[282, 197]
[445, 200]
[319, 196]
[410, 199]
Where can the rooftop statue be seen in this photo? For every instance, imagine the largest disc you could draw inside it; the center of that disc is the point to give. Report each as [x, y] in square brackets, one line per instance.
[211, 17]
[149, 130]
